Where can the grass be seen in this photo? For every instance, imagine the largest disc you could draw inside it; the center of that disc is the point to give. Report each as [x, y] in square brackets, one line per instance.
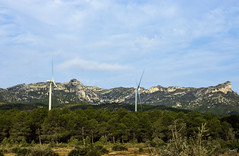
[37, 149]
[109, 149]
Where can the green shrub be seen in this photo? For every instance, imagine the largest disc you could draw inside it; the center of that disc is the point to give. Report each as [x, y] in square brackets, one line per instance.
[98, 143]
[15, 150]
[152, 144]
[20, 151]
[33, 143]
[23, 143]
[74, 142]
[5, 141]
[89, 151]
[23, 152]
[52, 144]
[101, 149]
[156, 142]
[42, 150]
[102, 140]
[87, 140]
[222, 143]
[119, 148]
[234, 144]
[77, 152]
[141, 150]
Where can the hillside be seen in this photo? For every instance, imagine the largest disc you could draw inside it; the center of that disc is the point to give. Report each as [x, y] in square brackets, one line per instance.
[218, 99]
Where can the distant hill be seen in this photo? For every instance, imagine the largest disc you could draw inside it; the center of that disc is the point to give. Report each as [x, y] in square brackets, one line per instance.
[220, 99]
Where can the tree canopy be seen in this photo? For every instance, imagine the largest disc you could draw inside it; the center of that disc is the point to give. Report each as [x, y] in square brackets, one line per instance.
[61, 125]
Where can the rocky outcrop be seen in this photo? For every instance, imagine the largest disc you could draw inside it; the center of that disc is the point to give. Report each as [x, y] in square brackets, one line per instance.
[224, 88]
[75, 92]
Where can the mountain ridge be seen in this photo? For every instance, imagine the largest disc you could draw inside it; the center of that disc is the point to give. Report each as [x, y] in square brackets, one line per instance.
[220, 98]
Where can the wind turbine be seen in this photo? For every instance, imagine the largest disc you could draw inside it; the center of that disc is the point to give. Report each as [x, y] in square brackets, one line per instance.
[137, 92]
[52, 81]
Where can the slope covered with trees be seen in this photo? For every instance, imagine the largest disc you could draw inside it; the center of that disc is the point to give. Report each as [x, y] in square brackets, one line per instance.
[155, 127]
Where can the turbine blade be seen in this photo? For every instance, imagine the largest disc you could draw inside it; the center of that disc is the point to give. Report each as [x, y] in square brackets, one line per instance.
[136, 84]
[141, 79]
[52, 72]
[54, 83]
[137, 92]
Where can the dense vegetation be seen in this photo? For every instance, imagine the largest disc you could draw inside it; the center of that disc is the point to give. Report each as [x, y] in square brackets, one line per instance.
[106, 106]
[156, 128]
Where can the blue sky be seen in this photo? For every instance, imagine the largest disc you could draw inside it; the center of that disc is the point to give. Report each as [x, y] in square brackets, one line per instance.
[108, 43]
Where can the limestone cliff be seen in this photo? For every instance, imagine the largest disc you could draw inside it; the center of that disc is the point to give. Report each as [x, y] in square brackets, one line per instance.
[75, 92]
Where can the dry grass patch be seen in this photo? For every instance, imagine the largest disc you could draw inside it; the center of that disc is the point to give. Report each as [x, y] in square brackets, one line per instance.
[129, 152]
[62, 151]
[10, 154]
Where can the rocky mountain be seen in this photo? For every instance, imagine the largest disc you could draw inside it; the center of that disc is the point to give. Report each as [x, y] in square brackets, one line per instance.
[218, 99]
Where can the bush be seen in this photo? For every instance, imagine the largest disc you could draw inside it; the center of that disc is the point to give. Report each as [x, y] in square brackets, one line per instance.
[101, 149]
[102, 140]
[119, 148]
[98, 143]
[89, 151]
[87, 140]
[77, 152]
[5, 141]
[52, 144]
[74, 142]
[33, 143]
[141, 150]
[156, 142]
[23, 143]
[42, 151]
[21, 151]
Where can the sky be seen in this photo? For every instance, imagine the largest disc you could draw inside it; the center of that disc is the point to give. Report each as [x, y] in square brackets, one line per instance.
[109, 43]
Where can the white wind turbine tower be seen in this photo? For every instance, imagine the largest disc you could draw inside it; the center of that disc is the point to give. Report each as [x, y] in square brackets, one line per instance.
[52, 81]
[137, 92]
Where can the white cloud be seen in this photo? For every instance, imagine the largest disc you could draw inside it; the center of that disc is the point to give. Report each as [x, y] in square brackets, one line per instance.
[77, 63]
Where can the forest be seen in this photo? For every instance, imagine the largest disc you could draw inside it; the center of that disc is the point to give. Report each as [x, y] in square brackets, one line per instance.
[162, 130]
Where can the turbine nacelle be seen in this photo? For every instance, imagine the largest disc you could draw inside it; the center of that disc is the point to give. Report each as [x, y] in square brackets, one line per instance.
[52, 81]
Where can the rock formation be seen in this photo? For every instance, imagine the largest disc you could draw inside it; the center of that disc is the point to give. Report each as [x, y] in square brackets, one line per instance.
[75, 92]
